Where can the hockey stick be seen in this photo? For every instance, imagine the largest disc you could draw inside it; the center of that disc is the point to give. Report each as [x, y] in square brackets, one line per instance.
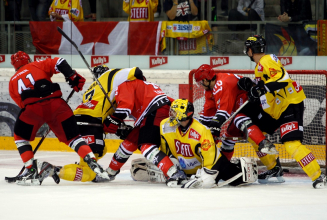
[13, 179]
[230, 118]
[86, 63]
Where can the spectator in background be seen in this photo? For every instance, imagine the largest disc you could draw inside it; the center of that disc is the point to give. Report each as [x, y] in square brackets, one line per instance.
[13, 10]
[66, 10]
[38, 9]
[93, 6]
[295, 10]
[141, 10]
[158, 12]
[181, 10]
[247, 10]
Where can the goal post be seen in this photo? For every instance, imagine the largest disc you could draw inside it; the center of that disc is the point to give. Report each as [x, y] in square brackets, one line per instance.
[314, 120]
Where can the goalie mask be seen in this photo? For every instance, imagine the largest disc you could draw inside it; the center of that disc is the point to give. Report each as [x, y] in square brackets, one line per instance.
[180, 110]
[99, 70]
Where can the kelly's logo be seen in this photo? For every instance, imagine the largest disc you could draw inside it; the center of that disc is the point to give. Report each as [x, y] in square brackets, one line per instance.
[288, 127]
[219, 61]
[99, 60]
[157, 61]
[194, 135]
[2, 58]
[285, 60]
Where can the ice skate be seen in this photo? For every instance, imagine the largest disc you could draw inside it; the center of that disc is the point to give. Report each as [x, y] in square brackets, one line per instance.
[92, 163]
[30, 176]
[267, 147]
[277, 171]
[320, 182]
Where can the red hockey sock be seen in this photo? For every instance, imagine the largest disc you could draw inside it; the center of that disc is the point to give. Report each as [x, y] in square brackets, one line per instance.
[256, 134]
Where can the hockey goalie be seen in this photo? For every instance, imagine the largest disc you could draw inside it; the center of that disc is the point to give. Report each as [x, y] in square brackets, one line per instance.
[191, 147]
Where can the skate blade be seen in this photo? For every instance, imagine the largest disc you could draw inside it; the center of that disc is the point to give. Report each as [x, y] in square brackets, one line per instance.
[24, 182]
[279, 179]
[272, 151]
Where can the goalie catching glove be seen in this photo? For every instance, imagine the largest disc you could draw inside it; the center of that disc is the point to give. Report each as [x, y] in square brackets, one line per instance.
[111, 124]
[76, 81]
[204, 178]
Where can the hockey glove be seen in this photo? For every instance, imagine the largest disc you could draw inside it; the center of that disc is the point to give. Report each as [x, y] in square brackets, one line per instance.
[245, 84]
[123, 133]
[76, 81]
[111, 124]
[204, 178]
[257, 91]
[215, 125]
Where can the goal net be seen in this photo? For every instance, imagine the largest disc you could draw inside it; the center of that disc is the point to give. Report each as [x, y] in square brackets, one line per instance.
[314, 121]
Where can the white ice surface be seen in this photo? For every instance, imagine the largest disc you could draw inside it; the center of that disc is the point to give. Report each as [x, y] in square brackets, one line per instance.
[125, 199]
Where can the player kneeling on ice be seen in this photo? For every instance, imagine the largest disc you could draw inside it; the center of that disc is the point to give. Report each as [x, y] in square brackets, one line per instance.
[190, 145]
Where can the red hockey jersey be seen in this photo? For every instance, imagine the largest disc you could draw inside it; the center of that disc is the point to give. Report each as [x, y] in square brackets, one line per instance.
[139, 98]
[27, 75]
[225, 98]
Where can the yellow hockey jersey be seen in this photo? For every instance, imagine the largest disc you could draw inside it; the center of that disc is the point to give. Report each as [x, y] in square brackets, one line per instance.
[270, 69]
[194, 149]
[140, 10]
[71, 9]
[94, 101]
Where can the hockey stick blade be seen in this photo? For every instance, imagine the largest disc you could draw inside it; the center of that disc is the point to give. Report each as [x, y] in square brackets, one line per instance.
[14, 179]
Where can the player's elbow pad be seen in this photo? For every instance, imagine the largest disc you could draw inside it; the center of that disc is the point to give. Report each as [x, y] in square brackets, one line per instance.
[273, 86]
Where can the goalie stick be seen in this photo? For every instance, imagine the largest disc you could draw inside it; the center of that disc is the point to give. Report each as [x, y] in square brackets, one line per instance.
[13, 179]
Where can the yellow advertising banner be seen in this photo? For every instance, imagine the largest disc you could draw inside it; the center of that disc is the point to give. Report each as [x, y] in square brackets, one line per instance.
[192, 36]
[322, 38]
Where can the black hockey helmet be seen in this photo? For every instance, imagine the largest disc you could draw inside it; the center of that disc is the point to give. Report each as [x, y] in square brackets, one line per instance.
[99, 70]
[257, 44]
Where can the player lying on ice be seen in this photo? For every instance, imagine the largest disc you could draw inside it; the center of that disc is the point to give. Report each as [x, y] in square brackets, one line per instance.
[91, 116]
[190, 145]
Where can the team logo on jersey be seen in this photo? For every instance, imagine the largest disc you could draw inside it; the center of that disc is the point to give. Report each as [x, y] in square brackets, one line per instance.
[206, 144]
[273, 72]
[139, 13]
[2, 58]
[183, 149]
[278, 101]
[89, 139]
[189, 44]
[194, 135]
[182, 28]
[260, 67]
[219, 61]
[306, 160]
[39, 58]
[74, 11]
[288, 127]
[99, 60]
[286, 60]
[290, 90]
[297, 86]
[88, 105]
[157, 61]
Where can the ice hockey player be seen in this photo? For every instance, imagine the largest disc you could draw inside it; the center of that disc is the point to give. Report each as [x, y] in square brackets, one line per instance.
[224, 94]
[149, 105]
[92, 114]
[190, 144]
[40, 100]
[282, 98]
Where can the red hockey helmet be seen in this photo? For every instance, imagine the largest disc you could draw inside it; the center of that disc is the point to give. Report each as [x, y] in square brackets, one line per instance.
[205, 71]
[20, 59]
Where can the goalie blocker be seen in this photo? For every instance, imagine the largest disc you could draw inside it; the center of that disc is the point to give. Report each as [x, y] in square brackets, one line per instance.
[239, 172]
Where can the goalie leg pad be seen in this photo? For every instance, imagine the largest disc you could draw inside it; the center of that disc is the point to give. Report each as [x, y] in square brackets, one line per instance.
[143, 170]
[249, 170]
